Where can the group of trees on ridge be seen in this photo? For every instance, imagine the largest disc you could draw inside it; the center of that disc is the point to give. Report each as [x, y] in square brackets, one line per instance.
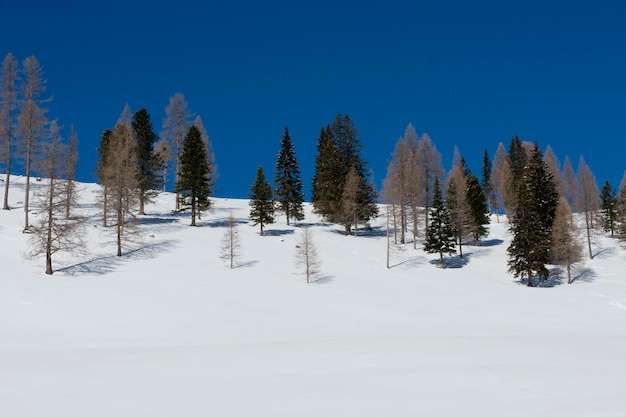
[445, 210]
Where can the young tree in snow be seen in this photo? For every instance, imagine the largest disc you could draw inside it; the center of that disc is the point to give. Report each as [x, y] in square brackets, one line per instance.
[608, 197]
[531, 224]
[149, 162]
[307, 255]
[288, 192]
[429, 167]
[440, 234]
[230, 249]
[54, 231]
[350, 199]
[457, 204]
[194, 185]
[401, 186]
[570, 186]
[499, 179]
[175, 127]
[31, 120]
[588, 198]
[566, 249]
[119, 173]
[261, 201]
[8, 106]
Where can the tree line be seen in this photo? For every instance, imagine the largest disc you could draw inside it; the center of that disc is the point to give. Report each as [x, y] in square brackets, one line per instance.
[444, 210]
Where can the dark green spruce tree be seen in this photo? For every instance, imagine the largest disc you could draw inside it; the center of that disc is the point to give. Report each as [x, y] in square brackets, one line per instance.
[194, 184]
[477, 204]
[288, 192]
[531, 224]
[261, 201]
[440, 233]
[339, 149]
[485, 182]
[149, 163]
[608, 197]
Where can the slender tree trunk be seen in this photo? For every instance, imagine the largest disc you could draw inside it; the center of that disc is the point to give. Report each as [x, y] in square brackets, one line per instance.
[530, 278]
[6, 186]
[587, 220]
[569, 272]
[49, 231]
[193, 210]
[120, 223]
[142, 197]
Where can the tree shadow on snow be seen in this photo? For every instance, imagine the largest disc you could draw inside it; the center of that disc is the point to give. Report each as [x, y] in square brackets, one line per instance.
[273, 232]
[377, 231]
[106, 264]
[321, 279]
[585, 275]
[491, 242]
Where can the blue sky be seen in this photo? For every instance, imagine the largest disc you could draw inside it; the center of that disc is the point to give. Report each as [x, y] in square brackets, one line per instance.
[469, 74]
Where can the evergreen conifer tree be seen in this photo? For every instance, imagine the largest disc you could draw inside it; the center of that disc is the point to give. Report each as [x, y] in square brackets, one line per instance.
[440, 234]
[531, 224]
[149, 163]
[339, 149]
[194, 184]
[477, 204]
[261, 201]
[485, 183]
[608, 197]
[288, 192]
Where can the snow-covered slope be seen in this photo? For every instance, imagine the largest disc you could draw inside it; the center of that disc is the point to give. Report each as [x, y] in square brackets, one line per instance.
[169, 330]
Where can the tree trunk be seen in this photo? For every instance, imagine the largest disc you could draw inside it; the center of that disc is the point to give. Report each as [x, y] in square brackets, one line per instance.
[6, 185]
[569, 273]
[588, 234]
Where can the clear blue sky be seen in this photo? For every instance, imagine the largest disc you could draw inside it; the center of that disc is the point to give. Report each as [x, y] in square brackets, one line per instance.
[469, 74]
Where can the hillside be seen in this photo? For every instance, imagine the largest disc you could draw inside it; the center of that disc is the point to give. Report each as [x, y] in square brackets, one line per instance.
[169, 330]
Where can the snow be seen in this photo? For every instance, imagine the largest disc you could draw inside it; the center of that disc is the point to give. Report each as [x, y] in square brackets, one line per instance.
[169, 330]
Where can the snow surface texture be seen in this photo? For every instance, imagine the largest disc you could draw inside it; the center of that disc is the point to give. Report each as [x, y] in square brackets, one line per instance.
[169, 330]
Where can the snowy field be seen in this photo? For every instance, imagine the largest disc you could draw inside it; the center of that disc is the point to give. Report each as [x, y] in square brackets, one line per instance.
[169, 330]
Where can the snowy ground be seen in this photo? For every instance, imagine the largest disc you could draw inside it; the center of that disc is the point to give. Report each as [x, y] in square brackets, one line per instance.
[168, 330]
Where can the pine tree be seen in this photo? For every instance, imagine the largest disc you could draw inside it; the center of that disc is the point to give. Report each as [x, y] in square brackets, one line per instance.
[231, 244]
[566, 249]
[261, 201]
[621, 209]
[8, 106]
[608, 197]
[440, 234]
[485, 183]
[517, 158]
[327, 184]
[339, 148]
[194, 185]
[31, 120]
[477, 204]
[307, 255]
[102, 172]
[149, 163]
[54, 231]
[288, 192]
[531, 224]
